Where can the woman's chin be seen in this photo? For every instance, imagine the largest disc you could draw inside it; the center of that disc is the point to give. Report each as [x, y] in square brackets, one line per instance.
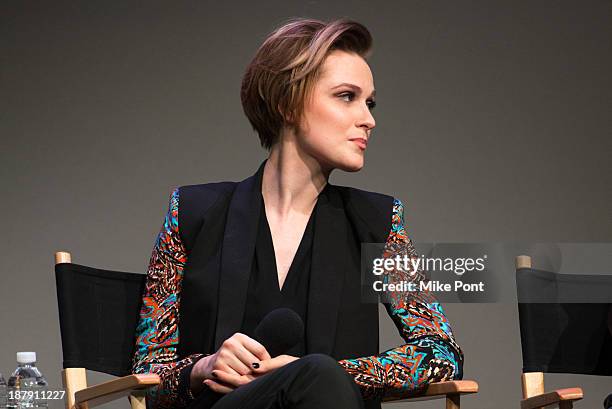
[353, 165]
[347, 163]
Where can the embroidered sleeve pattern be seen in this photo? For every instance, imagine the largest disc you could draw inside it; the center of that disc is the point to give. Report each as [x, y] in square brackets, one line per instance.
[157, 333]
[430, 353]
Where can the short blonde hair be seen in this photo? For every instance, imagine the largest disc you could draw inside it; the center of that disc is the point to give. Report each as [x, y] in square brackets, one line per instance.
[283, 71]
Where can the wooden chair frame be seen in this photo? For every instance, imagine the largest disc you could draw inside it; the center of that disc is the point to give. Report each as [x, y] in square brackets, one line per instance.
[81, 396]
[451, 391]
[532, 383]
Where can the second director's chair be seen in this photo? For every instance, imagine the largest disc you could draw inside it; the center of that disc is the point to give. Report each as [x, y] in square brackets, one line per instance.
[560, 332]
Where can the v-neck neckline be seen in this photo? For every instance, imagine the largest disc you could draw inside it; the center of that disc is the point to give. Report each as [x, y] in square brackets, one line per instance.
[299, 251]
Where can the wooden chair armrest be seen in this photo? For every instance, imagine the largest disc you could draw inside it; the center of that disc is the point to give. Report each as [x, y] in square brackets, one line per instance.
[451, 387]
[115, 389]
[442, 389]
[552, 398]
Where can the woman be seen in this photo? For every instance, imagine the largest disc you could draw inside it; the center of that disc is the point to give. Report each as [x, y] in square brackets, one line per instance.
[229, 253]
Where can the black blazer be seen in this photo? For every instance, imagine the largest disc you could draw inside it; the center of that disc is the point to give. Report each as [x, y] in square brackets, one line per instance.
[218, 224]
[203, 257]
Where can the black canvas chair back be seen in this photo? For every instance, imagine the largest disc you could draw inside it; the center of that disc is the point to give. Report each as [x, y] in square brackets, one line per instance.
[98, 311]
[564, 337]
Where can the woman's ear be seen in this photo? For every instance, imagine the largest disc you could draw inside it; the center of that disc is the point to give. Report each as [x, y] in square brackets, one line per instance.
[288, 117]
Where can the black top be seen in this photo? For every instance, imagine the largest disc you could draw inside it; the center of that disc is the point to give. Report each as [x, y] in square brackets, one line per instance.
[219, 224]
[264, 294]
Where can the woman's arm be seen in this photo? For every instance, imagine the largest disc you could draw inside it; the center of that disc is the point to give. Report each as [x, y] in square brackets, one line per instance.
[157, 335]
[430, 353]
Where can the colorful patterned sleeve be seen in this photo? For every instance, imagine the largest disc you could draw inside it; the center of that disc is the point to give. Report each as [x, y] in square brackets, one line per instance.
[157, 333]
[430, 353]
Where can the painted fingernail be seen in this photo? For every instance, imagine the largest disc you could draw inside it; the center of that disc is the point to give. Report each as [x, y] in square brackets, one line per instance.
[255, 365]
[214, 374]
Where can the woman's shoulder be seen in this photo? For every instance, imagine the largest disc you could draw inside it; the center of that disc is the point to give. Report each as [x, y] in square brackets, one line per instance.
[360, 197]
[192, 204]
[378, 211]
[207, 189]
[196, 199]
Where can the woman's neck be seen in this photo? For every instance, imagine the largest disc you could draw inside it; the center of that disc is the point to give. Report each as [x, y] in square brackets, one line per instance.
[291, 181]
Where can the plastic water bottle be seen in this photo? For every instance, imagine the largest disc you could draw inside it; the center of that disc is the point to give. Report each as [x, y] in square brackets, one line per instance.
[2, 392]
[27, 387]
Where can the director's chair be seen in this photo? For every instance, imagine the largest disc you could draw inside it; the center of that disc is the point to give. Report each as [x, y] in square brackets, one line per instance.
[99, 311]
[560, 336]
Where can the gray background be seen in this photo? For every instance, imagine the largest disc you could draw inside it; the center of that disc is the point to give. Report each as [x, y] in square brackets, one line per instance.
[493, 124]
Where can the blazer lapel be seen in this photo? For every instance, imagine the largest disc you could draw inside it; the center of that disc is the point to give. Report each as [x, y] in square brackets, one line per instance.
[328, 269]
[330, 252]
[237, 255]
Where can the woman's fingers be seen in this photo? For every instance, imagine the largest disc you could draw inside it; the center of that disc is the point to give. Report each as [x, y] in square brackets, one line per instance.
[274, 363]
[229, 361]
[235, 355]
[255, 348]
[230, 379]
[217, 387]
[240, 350]
[240, 360]
[226, 382]
[246, 357]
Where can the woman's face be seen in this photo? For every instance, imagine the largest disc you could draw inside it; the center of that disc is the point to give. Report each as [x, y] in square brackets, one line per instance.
[337, 119]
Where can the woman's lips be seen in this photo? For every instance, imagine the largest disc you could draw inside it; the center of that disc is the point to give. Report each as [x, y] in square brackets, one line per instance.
[362, 143]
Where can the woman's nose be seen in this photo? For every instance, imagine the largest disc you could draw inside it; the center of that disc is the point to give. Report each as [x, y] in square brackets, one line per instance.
[366, 119]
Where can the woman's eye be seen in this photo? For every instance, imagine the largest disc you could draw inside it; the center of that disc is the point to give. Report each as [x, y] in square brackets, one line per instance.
[347, 96]
[350, 96]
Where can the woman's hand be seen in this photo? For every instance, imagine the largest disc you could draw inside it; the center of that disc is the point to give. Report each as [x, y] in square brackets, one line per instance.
[270, 365]
[235, 357]
[224, 382]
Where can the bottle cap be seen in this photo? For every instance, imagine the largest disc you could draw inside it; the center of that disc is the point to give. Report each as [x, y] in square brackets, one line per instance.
[26, 357]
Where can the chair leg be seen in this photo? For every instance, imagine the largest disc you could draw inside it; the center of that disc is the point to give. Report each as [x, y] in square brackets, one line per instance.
[453, 401]
[74, 380]
[138, 401]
